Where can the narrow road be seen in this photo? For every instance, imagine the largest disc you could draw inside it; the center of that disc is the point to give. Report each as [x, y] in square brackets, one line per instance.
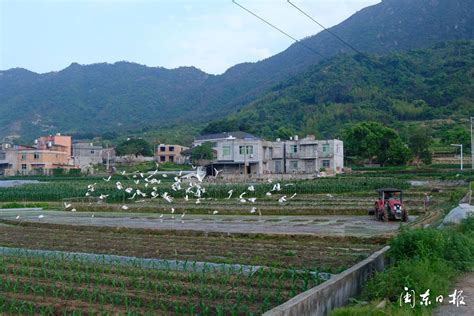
[466, 284]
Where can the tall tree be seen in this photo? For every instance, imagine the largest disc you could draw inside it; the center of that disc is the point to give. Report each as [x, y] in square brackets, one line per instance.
[374, 142]
[202, 152]
[457, 135]
[419, 141]
[135, 147]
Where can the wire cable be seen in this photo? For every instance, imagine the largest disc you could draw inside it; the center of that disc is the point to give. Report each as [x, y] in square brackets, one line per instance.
[278, 29]
[326, 29]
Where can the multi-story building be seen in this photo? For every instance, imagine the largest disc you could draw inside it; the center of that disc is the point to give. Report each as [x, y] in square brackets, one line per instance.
[243, 153]
[236, 153]
[170, 153]
[86, 155]
[8, 159]
[48, 153]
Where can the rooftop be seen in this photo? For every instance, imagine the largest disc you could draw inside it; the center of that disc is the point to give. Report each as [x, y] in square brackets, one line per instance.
[237, 135]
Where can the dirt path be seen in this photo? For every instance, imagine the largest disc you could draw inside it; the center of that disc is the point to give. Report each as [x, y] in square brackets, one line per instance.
[338, 225]
[466, 284]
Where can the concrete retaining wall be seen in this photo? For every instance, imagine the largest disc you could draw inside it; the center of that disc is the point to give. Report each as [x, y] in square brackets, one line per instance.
[335, 292]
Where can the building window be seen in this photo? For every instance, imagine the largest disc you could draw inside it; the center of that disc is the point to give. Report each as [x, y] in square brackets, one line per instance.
[23, 156]
[226, 150]
[293, 149]
[23, 167]
[162, 158]
[163, 148]
[171, 148]
[325, 148]
[214, 144]
[92, 152]
[246, 150]
[294, 165]
[36, 156]
[171, 159]
[326, 163]
[3, 156]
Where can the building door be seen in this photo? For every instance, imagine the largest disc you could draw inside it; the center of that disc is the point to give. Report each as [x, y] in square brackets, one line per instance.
[278, 166]
[310, 166]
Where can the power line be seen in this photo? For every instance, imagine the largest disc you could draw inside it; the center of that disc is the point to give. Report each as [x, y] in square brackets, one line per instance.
[326, 29]
[278, 29]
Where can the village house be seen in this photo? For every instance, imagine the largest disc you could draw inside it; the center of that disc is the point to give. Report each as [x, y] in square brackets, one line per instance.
[47, 153]
[53, 152]
[170, 153]
[243, 153]
[8, 159]
[86, 155]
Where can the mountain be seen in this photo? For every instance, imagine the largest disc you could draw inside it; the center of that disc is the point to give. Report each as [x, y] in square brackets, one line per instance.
[125, 96]
[403, 87]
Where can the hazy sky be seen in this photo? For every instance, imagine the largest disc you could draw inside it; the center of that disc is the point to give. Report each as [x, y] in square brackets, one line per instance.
[47, 35]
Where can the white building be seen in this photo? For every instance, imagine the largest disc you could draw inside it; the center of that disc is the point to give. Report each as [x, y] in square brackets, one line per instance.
[86, 155]
[243, 153]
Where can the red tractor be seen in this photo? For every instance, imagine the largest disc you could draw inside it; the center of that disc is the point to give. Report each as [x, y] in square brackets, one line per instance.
[389, 206]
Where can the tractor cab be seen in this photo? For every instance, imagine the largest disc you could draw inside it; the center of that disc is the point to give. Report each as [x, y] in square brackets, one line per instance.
[389, 205]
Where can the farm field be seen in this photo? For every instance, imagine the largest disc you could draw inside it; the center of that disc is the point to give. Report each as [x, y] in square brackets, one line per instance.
[327, 225]
[57, 189]
[318, 253]
[36, 285]
[323, 227]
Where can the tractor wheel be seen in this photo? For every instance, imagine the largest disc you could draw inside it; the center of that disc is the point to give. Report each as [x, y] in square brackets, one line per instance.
[385, 215]
[405, 216]
[374, 210]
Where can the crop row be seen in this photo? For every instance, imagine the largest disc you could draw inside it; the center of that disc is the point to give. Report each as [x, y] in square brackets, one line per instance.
[59, 190]
[131, 288]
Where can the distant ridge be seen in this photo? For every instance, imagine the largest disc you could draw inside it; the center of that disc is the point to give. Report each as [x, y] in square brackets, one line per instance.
[119, 97]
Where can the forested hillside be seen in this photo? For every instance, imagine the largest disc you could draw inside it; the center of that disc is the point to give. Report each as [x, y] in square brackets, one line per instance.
[420, 85]
[114, 99]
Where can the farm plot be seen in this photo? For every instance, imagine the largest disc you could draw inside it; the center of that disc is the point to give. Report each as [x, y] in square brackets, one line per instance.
[327, 254]
[62, 189]
[56, 286]
[302, 204]
[329, 225]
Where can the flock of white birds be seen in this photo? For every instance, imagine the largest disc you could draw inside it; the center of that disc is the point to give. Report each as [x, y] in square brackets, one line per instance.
[191, 183]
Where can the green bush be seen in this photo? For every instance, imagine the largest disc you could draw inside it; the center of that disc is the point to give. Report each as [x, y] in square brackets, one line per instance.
[433, 244]
[467, 226]
[58, 172]
[457, 195]
[459, 250]
[74, 172]
[418, 243]
[415, 274]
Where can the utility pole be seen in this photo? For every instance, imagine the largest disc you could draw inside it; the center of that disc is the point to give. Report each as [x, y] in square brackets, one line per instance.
[245, 161]
[472, 145]
[108, 160]
[460, 146]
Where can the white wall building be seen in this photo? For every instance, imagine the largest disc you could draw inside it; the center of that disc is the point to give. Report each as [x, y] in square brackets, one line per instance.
[243, 153]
